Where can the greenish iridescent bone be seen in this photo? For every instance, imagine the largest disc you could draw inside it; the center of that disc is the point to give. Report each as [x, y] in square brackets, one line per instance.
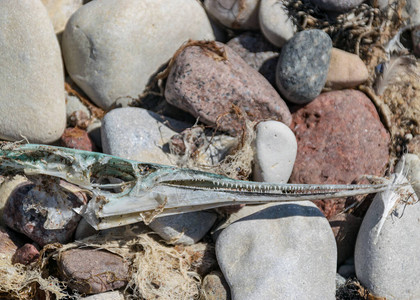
[126, 191]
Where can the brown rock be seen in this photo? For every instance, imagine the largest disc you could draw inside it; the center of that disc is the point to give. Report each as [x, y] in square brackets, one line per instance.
[258, 53]
[210, 81]
[77, 139]
[215, 287]
[340, 138]
[346, 70]
[91, 271]
[345, 228]
[25, 255]
[8, 244]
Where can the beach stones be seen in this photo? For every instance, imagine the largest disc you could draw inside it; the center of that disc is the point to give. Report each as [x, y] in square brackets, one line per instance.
[283, 251]
[60, 11]
[275, 152]
[387, 259]
[212, 82]
[235, 14]
[334, 132]
[303, 66]
[32, 102]
[115, 57]
[275, 23]
[91, 271]
[346, 70]
[336, 5]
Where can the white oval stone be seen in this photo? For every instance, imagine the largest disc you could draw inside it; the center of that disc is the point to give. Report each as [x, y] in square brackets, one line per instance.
[235, 14]
[32, 104]
[275, 23]
[112, 47]
[60, 11]
[275, 152]
[387, 257]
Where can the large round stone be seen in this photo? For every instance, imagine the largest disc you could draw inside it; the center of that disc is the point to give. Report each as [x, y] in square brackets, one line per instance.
[112, 47]
[32, 102]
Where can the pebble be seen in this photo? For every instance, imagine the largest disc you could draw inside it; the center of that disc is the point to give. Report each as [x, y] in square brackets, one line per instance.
[6, 189]
[234, 14]
[215, 287]
[283, 251]
[340, 281]
[275, 149]
[76, 138]
[25, 255]
[60, 12]
[73, 105]
[336, 5]
[411, 165]
[114, 57]
[186, 228]
[45, 217]
[115, 295]
[138, 134]
[92, 271]
[275, 23]
[345, 228]
[386, 256]
[8, 243]
[334, 132]
[257, 53]
[347, 270]
[346, 70]
[206, 85]
[303, 66]
[32, 102]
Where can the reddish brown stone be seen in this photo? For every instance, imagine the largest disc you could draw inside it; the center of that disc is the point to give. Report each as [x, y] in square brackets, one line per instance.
[340, 138]
[77, 139]
[345, 228]
[218, 90]
[25, 255]
[92, 271]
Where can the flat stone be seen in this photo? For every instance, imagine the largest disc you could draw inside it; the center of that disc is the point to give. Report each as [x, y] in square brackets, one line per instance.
[60, 11]
[186, 228]
[303, 66]
[115, 295]
[32, 102]
[215, 287]
[286, 251]
[346, 70]
[92, 271]
[204, 83]
[334, 132]
[43, 216]
[336, 5]
[235, 14]
[275, 152]
[115, 57]
[386, 256]
[275, 23]
[138, 134]
[257, 53]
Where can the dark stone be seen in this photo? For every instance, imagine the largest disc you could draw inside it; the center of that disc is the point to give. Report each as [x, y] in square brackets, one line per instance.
[25, 255]
[336, 5]
[303, 66]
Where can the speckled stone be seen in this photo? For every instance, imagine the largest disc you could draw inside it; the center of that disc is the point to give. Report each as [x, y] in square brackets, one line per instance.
[336, 5]
[258, 53]
[215, 287]
[303, 66]
[208, 86]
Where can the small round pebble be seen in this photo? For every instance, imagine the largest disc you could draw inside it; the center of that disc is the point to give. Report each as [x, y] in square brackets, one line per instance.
[303, 66]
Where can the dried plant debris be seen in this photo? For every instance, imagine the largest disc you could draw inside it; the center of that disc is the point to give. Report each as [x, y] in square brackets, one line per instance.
[352, 290]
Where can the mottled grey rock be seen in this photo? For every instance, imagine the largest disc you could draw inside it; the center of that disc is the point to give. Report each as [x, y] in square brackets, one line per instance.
[235, 14]
[386, 257]
[257, 53]
[32, 102]
[215, 287]
[275, 23]
[92, 271]
[336, 5]
[138, 134]
[303, 66]
[186, 228]
[209, 80]
[275, 149]
[114, 56]
[286, 251]
[60, 11]
[347, 269]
